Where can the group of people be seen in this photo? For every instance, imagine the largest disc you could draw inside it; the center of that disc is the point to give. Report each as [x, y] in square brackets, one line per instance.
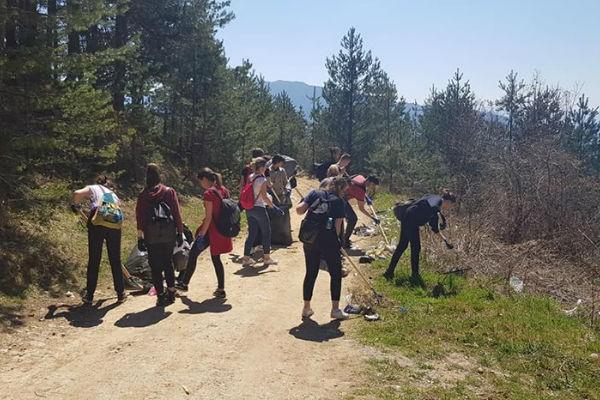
[326, 230]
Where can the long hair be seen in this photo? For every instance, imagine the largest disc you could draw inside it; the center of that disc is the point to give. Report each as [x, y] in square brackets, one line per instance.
[448, 196]
[338, 185]
[212, 176]
[103, 180]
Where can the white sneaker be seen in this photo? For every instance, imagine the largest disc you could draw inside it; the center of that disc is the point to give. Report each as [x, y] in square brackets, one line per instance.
[307, 313]
[338, 314]
[270, 261]
[247, 261]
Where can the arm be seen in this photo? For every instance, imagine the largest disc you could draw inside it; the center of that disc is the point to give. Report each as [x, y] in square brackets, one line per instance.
[361, 207]
[138, 218]
[263, 195]
[338, 226]
[177, 213]
[302, 208]
[434, 224]
[208, 211]
[81, 195]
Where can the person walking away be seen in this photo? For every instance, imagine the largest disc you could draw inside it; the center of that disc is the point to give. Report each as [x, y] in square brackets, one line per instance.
[258, 218]
[320, 234]
[159, 227]
[98, 233]
[425, 210]
[207, 234]
[358, 190]
[278, 179]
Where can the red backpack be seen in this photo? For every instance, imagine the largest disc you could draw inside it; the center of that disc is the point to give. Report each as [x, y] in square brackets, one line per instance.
[247, 197]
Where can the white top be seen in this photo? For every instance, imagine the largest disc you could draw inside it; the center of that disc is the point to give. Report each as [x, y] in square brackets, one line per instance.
[97, 193]
[256, 185]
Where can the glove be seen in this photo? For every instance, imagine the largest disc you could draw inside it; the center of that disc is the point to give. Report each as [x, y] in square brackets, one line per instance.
[376, 220]
[448, 245]
[368, 200]
[293, 182]
[179, 239]
[278, 210]
[142, 245]
[76, 208]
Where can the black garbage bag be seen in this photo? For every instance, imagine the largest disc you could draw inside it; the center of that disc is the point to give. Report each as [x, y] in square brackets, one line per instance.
[281, 227]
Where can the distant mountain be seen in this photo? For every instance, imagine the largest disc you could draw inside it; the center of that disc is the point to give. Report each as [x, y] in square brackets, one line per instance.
[299, 92]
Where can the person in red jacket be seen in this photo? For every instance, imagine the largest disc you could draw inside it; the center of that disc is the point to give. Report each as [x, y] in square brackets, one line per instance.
[207, 234]
[159, 227]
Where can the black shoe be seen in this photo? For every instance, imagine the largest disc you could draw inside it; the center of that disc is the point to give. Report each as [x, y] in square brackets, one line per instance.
[170, 297]
[388, 275]
[161, 299]
[220, 293]
[181, 286]
[121, 298]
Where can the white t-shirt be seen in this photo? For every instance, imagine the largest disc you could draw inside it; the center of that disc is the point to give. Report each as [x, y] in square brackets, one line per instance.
[96, 194]
[256, 185]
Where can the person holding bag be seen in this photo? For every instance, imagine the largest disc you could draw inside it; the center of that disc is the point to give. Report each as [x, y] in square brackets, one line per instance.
[320, 232]
[104, 225]
[159, 227]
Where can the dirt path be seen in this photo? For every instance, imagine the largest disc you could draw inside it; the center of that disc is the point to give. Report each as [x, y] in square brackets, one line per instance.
[250, 346]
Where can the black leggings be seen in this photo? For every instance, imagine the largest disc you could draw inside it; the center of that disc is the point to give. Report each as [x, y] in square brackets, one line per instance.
[351, 220]
[160, 258]
[327, 250]
[409, 233]
[96, 237]
[193, 259]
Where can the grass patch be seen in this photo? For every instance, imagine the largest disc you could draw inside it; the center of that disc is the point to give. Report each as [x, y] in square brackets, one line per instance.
[471, 342]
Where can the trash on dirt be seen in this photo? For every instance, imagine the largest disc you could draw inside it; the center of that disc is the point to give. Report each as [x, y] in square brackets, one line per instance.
[364, 230]
[152, 291]
[403, 310]
[69, 294]
[366, 259]
[185, 389]
[352, 309]
[516, 283]
[372, 317]
[573, 310]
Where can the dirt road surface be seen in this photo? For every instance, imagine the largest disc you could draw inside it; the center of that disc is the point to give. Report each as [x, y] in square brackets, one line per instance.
[253, 345]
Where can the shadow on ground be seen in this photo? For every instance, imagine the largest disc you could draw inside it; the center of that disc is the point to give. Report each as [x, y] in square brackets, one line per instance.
[81, 316]
[142, 319]
[311, 331]
[214, 305]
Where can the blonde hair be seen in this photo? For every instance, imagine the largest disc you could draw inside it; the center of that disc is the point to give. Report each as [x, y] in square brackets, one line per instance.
[333, 170]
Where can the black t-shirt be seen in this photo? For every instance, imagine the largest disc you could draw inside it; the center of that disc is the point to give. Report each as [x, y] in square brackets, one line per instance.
[425, 211]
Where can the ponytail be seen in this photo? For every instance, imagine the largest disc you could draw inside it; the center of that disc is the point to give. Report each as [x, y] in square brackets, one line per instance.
[448, 196]
[212, 176]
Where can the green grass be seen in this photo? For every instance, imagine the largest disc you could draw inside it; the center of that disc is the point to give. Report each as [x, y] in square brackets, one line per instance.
[516, 347]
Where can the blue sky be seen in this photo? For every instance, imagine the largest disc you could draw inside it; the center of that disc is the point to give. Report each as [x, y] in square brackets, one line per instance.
[421, 42]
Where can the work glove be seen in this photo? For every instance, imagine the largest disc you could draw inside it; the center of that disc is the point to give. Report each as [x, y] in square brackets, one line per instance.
[278, 210]
[179, 239]
[376, 220]
[142, 245]
[449, 246]
[76, 208]
[293, 182]
[369, 200]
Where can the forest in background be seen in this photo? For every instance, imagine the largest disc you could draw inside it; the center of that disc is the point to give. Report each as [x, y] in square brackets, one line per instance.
[92, 86]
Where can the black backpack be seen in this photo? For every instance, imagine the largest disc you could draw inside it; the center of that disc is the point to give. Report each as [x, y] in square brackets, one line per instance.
[401, 207]
[228, 223]
[321, 170]
[161, 228]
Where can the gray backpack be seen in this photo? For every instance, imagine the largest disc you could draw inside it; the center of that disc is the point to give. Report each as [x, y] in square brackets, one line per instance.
[161, 227]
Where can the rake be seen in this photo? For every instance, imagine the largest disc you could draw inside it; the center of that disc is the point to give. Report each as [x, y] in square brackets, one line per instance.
[378, 297]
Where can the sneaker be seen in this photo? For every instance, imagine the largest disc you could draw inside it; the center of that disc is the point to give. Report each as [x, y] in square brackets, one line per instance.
[338, 314]
[181, 286]
[161, 299]
[269, 261]
[247, 261]
[170, 296]
[307, 313]
[388, 275]
[220, 293]
[122, 298]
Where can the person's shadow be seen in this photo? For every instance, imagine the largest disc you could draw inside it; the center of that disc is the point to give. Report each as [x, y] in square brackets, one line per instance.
[81, 316]
[141, 319]
[214, 305]
[310, 330]
[249, 272]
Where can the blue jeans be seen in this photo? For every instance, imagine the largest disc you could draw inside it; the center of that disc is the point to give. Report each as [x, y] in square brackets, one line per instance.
[258, 222]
